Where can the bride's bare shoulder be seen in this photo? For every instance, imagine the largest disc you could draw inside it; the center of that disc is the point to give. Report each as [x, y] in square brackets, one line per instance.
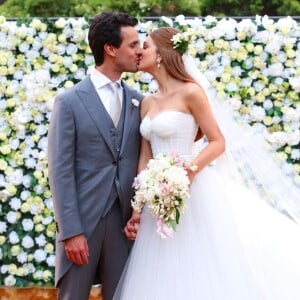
[193, 90]
[146, 103]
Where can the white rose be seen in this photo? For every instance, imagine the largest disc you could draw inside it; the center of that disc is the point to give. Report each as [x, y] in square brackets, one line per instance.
[27, 242]
[14, 144]
[268, 104]
[15, 203]
[15, 177]
[30, 163]
[27, 224]
[275, 69]
[38, 275]
[11, 217]
[3, 227]
[10, 280]
[71, 49]
[295, 83]
[293, 138]
[291, 115]
[13, 238]
[22, 257]
[235, 103]
[60, 23]
[51, 260]
[277, 139]
[41, 240]
[39, 255]
[258, 86]
[29, 268]
[3, 269]
[26, 181]
[257, 113]
[232, 87]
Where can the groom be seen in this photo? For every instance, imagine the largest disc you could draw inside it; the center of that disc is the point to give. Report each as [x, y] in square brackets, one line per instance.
[93, 144]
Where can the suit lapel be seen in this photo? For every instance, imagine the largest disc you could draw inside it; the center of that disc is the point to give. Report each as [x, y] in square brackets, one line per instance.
[96, 110]
[129, 119]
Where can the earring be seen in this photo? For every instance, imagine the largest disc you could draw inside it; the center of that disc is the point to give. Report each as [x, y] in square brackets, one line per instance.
[158, 60]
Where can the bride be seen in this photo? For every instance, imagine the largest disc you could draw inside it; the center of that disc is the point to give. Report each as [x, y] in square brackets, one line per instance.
[230, 244]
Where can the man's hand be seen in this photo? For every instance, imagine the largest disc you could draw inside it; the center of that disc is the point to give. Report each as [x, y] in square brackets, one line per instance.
[77, 249]
[132, 226]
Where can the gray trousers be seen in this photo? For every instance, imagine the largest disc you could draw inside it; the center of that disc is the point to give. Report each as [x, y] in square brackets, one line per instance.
[108, 249]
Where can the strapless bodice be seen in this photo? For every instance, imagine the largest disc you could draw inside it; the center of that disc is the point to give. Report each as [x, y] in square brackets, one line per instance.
[170, 132]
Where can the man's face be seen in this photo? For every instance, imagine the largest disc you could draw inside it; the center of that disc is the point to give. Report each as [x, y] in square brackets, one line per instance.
[128, 55]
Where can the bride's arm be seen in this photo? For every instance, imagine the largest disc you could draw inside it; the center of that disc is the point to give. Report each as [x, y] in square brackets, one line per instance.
[145, 155]
[201, 110]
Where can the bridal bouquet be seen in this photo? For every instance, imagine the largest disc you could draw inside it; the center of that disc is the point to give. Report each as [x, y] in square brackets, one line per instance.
[163, 186]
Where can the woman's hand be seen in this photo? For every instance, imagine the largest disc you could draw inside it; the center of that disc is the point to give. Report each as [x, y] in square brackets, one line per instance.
[132, 226]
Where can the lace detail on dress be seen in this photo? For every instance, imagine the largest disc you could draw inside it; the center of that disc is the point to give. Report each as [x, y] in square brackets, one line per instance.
[170, 132]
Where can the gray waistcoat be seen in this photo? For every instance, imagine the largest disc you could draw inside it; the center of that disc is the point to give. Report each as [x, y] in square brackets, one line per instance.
[116, 136]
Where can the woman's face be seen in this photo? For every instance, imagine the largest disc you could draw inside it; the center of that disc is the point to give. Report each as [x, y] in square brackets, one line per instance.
[149, 56]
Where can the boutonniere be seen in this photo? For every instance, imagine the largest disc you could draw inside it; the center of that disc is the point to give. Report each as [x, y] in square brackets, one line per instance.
[135, 102]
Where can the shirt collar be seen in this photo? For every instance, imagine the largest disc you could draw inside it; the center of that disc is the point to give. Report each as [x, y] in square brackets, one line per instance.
[100, 80]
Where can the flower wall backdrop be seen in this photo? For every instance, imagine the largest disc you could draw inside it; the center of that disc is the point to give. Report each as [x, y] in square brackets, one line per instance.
[254, 64]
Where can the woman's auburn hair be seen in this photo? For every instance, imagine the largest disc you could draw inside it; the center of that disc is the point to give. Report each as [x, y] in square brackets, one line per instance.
[171, 58]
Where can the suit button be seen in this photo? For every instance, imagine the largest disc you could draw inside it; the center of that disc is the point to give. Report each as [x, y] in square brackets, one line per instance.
[114, 163]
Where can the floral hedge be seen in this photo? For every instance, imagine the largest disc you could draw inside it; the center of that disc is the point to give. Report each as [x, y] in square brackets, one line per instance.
[253, 63]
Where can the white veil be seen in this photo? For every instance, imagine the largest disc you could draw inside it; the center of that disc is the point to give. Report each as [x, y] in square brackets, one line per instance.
[247, 158]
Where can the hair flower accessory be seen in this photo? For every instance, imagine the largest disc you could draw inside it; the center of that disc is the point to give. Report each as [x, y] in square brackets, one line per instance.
[135, 102]
[183, 40]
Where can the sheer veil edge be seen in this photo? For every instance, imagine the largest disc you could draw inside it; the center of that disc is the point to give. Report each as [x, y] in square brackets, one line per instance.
[248, 158]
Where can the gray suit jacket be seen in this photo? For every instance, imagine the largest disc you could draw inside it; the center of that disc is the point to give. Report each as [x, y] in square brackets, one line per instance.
[83, 164]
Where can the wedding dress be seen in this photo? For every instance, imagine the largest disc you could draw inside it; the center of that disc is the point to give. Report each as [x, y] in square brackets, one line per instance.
[229, 244]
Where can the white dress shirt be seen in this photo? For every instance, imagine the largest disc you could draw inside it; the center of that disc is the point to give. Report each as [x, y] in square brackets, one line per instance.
[105, 92]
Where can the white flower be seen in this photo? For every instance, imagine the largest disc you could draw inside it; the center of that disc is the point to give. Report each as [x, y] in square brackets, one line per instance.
[29, 268]
[295, 83]
[15, 203]
[60, 23]
[11, 217]
[13, 238]
[275, 69]
[27, 224]
[26, 182]
[10, 280]
[39, 255]
[293, 138]
[268, 104]
[15, 177]
[27, 242]
[51, 260]
[167, 20]
[257, 113]
[135, 102]
[295, 154]
[41, 240]
[3, 269]
[22, 257]
[277, 139]
[3, 227]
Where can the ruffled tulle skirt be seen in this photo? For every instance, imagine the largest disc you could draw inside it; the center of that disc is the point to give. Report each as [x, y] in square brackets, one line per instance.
[229, 245]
